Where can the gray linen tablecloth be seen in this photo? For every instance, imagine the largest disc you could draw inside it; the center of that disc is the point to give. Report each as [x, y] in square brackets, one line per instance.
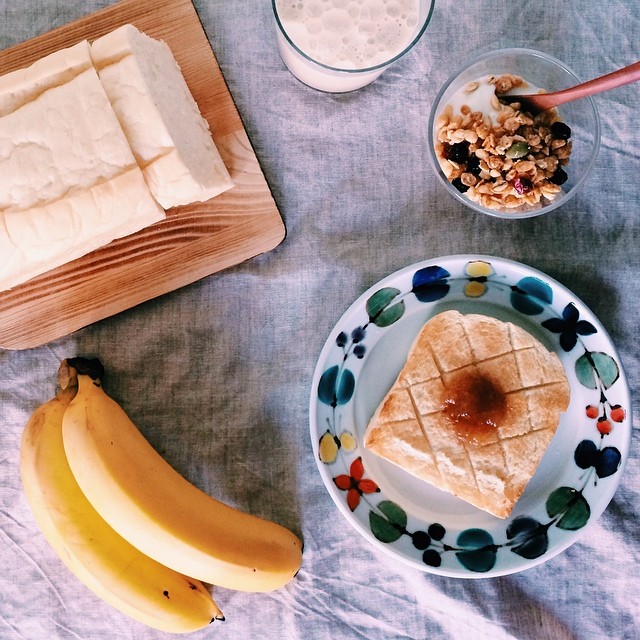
[218, 374]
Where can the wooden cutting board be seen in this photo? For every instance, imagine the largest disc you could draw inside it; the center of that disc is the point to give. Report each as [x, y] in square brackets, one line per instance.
[193, 241]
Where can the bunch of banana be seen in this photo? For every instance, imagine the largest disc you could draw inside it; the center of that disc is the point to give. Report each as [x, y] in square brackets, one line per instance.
[105, 562]
[127, 524]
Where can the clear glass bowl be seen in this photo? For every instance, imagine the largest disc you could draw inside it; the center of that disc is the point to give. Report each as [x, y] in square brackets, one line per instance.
[548, 73]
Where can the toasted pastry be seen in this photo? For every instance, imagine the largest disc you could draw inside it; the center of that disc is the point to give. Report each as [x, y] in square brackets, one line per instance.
[473, 410]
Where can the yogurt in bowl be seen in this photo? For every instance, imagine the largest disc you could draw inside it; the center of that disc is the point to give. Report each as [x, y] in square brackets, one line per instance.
[499, 155]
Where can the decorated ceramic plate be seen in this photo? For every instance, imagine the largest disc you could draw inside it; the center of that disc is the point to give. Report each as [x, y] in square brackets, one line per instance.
[424, 526]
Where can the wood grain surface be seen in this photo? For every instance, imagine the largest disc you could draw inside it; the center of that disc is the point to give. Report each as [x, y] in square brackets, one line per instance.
[193, 241]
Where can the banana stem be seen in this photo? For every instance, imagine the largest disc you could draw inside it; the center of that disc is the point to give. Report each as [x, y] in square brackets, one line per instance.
[71, 368]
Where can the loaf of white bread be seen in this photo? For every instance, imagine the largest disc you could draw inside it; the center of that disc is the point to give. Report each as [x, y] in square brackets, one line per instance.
[473, 410]
[168, 136]
[96, 141]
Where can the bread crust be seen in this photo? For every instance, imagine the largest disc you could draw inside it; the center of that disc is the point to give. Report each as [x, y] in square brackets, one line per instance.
[473, 410]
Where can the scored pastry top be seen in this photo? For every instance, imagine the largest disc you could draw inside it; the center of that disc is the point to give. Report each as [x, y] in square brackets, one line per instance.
[473, 409]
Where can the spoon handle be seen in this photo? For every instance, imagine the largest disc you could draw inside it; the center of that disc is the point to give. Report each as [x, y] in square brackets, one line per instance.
[618, 78]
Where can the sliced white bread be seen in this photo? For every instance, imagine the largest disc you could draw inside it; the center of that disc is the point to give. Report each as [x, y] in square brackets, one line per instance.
[169, 138]
[35, 241]
[69, 182]
[65, 141]
[19, 87]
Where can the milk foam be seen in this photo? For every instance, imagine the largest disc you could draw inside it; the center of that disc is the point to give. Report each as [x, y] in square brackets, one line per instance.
[350, 34]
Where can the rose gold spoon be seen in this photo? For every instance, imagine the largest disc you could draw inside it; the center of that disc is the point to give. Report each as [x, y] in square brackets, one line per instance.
[535, 103]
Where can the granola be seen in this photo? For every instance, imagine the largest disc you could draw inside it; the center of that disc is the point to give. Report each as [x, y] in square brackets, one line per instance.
[504, 162]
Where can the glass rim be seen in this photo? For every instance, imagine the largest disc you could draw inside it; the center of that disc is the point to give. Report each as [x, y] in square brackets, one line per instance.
[376, 67]
[513, 214]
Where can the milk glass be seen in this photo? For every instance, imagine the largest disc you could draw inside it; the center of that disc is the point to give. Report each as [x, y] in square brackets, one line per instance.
[343, 45]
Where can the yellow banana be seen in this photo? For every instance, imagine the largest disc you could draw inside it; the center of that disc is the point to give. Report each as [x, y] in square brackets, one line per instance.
[158, 511]
[107, 564]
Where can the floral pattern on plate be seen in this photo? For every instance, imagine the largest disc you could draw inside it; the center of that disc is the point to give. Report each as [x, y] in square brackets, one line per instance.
[577, 476]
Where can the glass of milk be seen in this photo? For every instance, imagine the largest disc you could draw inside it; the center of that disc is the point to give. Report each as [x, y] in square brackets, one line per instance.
[343, 45]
